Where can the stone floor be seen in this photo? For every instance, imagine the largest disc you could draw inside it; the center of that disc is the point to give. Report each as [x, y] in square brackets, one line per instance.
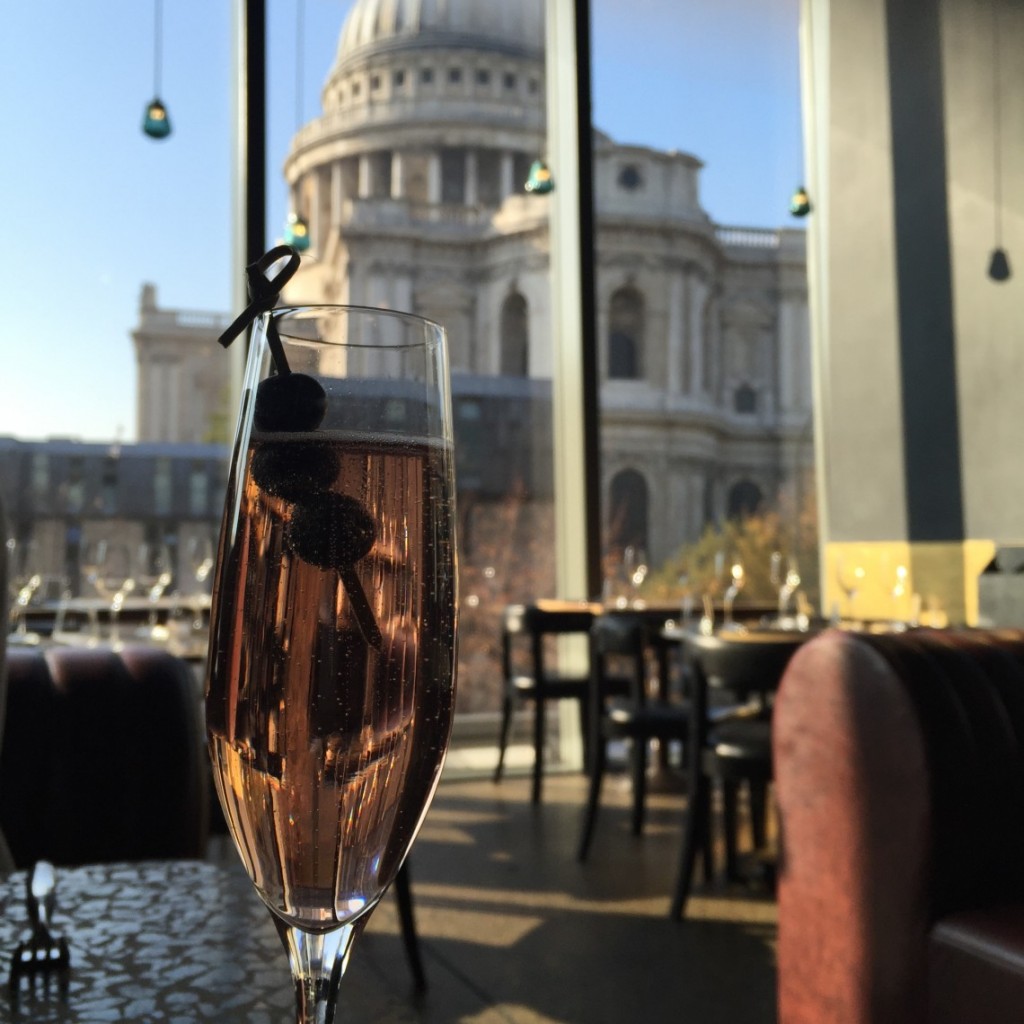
[514, 931]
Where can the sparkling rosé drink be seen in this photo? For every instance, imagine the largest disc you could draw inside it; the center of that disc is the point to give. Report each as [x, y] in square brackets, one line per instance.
[331, 671]
[326, 745]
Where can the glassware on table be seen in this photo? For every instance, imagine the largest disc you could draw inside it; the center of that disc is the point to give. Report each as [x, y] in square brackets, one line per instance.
[24, 582]
[110, 567]
[850, 575]
[788, 584]
[738, 578]
[330, 687]
[201, 559]
[636, 569]
[153, 575]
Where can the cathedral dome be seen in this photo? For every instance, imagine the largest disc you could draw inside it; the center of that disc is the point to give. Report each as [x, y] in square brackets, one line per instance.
[515, 27]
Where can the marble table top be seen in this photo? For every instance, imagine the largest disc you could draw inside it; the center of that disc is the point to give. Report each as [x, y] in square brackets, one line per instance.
[174, 941]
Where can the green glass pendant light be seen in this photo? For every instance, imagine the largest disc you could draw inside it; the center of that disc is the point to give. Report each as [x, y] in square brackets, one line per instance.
[155, 122]
[296, 228]
[296, 233]
[800, 204]
[540, 179]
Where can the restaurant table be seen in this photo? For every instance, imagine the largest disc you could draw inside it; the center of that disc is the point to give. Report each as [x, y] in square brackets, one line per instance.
[168, 941]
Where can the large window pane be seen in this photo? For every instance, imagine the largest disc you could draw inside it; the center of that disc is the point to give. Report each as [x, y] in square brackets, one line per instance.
[703, 336]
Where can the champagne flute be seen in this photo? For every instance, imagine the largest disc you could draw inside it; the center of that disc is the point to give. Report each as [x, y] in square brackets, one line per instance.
[330, 683]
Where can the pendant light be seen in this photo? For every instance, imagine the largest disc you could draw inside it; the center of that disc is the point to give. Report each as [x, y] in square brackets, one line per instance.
[999, 262]
[155, 122]
[296, 229]
[800, 204]
[540, 180]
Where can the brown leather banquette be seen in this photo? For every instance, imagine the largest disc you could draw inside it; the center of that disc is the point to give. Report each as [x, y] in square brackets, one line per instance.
[899, 767]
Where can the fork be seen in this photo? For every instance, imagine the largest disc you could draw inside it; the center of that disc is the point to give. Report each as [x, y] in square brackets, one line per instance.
[43, 953]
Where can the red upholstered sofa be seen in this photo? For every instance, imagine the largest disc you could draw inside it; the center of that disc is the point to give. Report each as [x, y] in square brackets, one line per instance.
[899, 767]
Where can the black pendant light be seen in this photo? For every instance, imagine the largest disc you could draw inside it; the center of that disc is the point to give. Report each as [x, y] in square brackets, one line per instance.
[155, 122]
[999, 261]
[296, 228]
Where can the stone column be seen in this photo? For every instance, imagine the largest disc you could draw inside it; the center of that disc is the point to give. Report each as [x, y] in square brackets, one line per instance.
[337, 193]
[507, 175]
[472, 182]
[397, 176]
[317, 232]
[365, 177]
[698, 292]
[434, 177]
[674, 329]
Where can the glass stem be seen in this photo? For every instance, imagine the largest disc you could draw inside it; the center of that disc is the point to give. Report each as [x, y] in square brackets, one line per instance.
[318, 961]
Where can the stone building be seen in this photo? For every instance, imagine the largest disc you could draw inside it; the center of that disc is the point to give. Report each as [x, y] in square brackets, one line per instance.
[412, 184]
[183, 377]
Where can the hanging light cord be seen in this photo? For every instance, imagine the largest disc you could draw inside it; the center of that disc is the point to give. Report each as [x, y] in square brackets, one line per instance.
[997, 185]
[299, 33]
[157, 44]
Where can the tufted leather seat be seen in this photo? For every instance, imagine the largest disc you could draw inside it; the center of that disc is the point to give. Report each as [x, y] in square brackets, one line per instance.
[103, 757]
[899, 764]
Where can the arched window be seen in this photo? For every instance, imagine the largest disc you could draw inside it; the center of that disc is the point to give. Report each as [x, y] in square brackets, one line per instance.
[744, 399]
[625, 334]
[744, 500]
[515, 337]
[627, 511]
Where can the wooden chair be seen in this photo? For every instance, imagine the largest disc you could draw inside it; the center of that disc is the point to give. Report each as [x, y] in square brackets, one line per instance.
[541, 683]
[621, 709]
[730, 744]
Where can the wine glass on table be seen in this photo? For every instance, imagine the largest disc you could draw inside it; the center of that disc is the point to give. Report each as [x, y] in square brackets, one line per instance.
[737, 581]
[109, 568]
[330, 685]
[154, 573]
[850, 574]
[24, 583]
[201, 560]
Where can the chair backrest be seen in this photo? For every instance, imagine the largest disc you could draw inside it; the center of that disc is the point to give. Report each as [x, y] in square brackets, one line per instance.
[745, 664]
[622, 637]
[103, 757]
[540, 620]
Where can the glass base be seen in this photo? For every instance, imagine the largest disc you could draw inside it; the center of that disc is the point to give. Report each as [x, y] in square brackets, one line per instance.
[318, 961]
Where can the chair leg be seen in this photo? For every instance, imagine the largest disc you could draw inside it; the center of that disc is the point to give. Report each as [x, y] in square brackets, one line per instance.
[758, 790]
[638, 761]
[506, 723]
[538, 749]
[730, 790]
[403, 893]
[598, 758]
[695, 837]
[584, 705]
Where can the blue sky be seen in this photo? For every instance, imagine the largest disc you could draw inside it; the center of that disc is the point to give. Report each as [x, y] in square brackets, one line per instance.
[92, 209]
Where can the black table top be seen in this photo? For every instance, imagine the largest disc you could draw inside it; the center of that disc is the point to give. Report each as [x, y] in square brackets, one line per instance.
[174, 941]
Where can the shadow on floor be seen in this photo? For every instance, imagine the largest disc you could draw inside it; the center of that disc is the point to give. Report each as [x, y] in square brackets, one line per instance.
[513, 929]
